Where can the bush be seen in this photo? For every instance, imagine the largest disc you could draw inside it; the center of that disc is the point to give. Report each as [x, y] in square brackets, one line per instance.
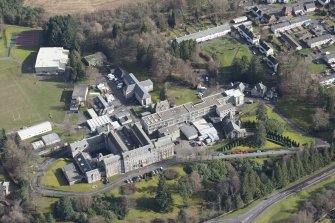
[128, 189]
[171, 174]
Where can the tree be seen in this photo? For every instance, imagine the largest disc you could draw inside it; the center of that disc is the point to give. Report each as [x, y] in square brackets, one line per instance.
[82, 203]
[260, 134]
[239, 69]
[60, 31]
[64, 209]
[195, 181]
[255, 71]
[185, 189]
[182, 216]
[78, 69]
[163, 196]
[261, 112]
[117, 30]
[274, 126]
[172, 19]
[320, 119]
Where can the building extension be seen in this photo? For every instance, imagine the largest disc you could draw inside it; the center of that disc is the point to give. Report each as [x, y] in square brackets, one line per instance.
[51, 60]
[208, 34]
[290, 42]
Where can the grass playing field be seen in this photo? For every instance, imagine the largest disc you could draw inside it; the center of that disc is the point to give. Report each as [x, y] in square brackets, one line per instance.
[181, 95]
[26, 99]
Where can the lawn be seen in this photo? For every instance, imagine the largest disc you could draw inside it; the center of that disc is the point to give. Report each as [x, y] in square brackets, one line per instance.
[297, 110]
[181, 95]
[283, 210]
[55, 179]
[26, 99]
[249, 114]
[226, 49]
[143, 211]
[317, 68]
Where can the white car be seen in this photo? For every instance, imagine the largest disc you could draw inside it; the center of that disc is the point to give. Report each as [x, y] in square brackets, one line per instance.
[119, 86]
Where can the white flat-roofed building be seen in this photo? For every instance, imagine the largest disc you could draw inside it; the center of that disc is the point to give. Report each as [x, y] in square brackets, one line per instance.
[208, 34]
[35, 130]
[240, 19]
[100, 121]
[51, 60]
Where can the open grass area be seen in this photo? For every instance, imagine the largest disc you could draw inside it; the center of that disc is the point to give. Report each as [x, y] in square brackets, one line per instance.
[27, 99]
[55, 179]
[226, 50]
[144, 210]
[297, 110]
[283, 210]
[249, 114]
[181, 95]
[317, 68]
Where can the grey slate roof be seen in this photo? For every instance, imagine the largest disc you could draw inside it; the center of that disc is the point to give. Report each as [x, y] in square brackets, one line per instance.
[188, 131]
[132, 83]
[203, 33]
[231, 126]
[264, 45]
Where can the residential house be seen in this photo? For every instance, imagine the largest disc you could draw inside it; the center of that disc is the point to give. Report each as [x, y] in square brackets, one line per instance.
[268, 19]
[324, 2]
[310, 7]
[138, 89]
[248, 34]
[239, 86]
[4, 188]
[293, 23]
[272, 62]
[265, 48]
[286, 11]
[329, 58]
[259, 90]
[320, 41]
[257, 12]
[290, 42]
[298, 10]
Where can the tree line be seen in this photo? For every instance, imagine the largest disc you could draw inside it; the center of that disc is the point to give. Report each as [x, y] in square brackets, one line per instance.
[15, 13]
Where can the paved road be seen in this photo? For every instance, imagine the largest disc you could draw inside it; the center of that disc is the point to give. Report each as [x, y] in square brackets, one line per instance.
[254, 213]
[36, 188]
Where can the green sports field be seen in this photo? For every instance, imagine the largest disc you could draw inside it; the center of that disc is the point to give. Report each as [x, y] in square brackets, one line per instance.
[26, 99]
